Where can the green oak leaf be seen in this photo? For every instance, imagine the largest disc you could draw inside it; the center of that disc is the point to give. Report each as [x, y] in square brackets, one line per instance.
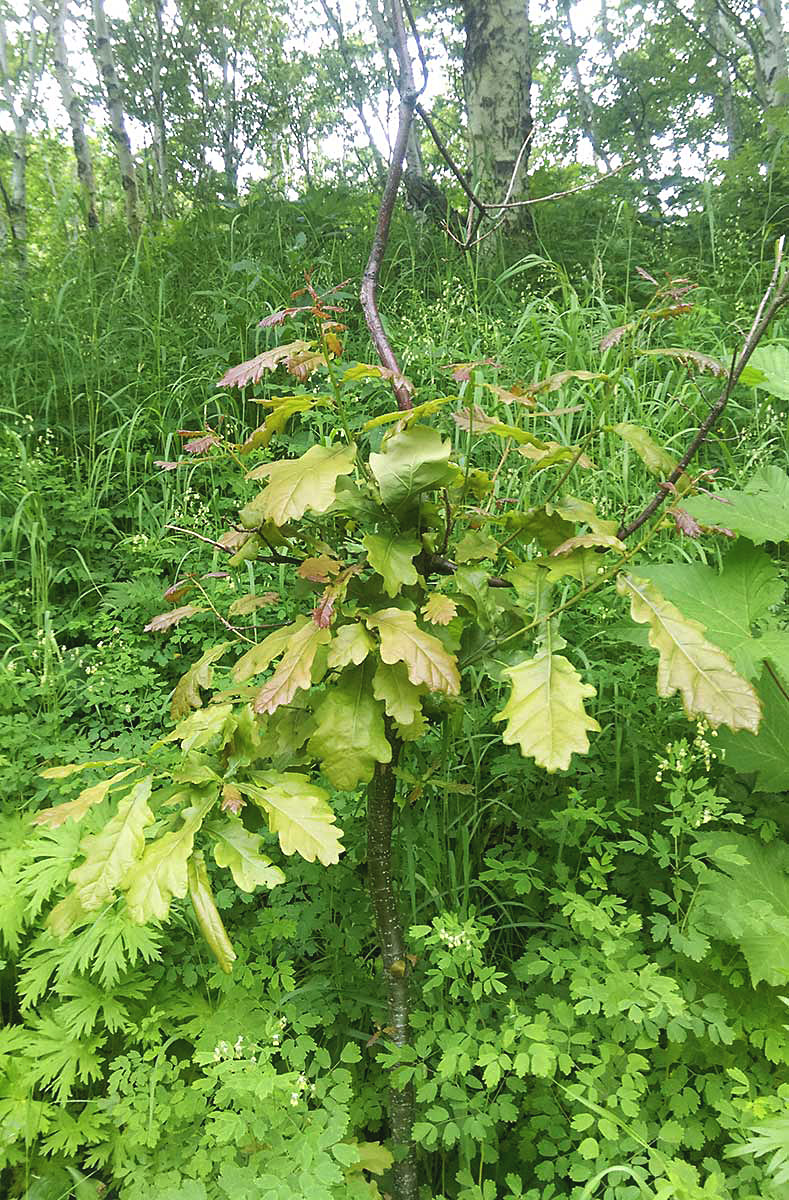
[161, 873]
[295, 669]
[656, 460]
[425, 657]
[392, 556]
[299, 813]
[545, 713]
[412, 461]
[401, 698]
[211, 924]
[352, 643]
[240, 851]
[689, 663]
[186, 695]
[296, 485]
[111, 853]
[349, 737]
[261, 656]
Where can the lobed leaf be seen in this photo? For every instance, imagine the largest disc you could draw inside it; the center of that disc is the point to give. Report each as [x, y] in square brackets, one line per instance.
[161, 874]
[350, 737]
[299, 813]
[545, 713]
[240, 851]
[296, 485]
[412, 461]
[111, 854]
[426, 658]
[392, 556]
[295, 669]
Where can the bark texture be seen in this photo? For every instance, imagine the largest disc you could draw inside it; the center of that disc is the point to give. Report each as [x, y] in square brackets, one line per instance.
[73, 107]
[773, 65]
[19, 102]
[497, 77]
[159, 128]
[380, 798]
[112, 88]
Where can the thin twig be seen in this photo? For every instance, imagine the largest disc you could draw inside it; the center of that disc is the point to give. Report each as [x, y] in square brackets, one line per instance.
[448, 159]
[774, 298]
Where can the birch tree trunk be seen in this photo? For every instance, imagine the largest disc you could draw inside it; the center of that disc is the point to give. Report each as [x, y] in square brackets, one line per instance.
[497, 77]
[724, 101]
[106, 64]
[772, 54]
[159, 128]
[20, 109]
[73, 107]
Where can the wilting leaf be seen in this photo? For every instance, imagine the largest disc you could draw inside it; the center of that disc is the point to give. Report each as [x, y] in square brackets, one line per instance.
[349, 737]
[614, 336]
[413, 461]
[111, 853]
[478, 421]
[201, 444]
[352, 643]
[688, 358]
[392, 555]
[295, 669]
[296, 485]
[402, 699]
[252, 370]
[582, 541]
[545, 713]
[240, 851]
[551, 453]
[261, 656]
[318, 570]
[766, 754]
[74, 810]
[167, 619]
[299, 813]
[248, 604]
[759, 512]
[728, 603]
[708, 683]
[161, 873]
[439, 609]
[746, 901]
[425, 657]
[656, 460]
[474, 545]
[186, 695]
[554, 382]
[207, 914]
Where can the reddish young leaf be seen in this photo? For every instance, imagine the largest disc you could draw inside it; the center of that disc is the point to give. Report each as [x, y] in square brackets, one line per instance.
[168, 466]
[323, 612]
[685, 522]
[201, 444]
[168, 619]
[318, 570]
[251, 370]
[177, 591]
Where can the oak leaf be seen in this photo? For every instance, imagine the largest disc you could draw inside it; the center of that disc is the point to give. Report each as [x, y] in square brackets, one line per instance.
[298, 484]
[391, 555]
[295, 668]
[426, 658]
[545, 713]
[349, 737]
[299, 813]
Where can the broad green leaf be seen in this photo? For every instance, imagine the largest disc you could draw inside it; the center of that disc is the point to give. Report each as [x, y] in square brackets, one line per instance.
[349, 737]
[767, 753]
[773, 647]
[74, 810]
[186, 695]
[708, 683]
[401, 699]
[392, 556]
[656, 460]
[413, 461]
[112, 853]
[773, 363]
[240, 851]
[746, 901]
[728, 603]
[201, 727]
[425, 657]
[759, 512]
[545, 713]
[295, 669]
[262, 656]
[205, 909]
[161, 873]
[352, 643]
[474, 545]
[285, 408]
[299, 813]
[298, 484]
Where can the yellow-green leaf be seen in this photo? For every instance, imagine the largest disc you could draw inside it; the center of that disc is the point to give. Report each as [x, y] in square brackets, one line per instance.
[161, 873]
[350, 737]
[74, 810]
[352, 643]
[407, 417]
[656, 460]
[295, 669]
[605, 541]
[439, 609]
[392, 556]
[411, 462]
[186, 695]
[701, 672]
[298, 484]
[545, 713]
[402, 700]
[474, 545]
[248, 604]
[208, 918]
[298, 812]
[263, 654]
[111, 853]
[66, 915]
[425, 657]
[239, 850]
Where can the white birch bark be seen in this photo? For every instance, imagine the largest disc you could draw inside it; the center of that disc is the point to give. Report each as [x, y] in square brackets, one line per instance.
[772, 54]
[73, 107]
[112, 90]
[20, 108]
[497, 78]
[159, 125]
